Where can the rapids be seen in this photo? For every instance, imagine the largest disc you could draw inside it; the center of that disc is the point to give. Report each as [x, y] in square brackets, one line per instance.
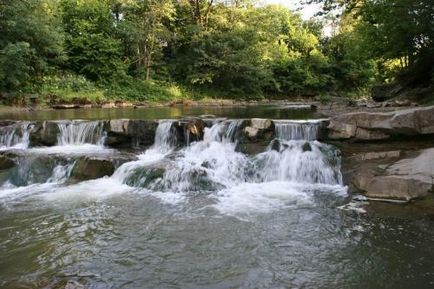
[204, 215]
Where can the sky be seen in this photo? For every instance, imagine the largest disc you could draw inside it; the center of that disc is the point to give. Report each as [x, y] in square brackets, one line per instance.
[307, 11]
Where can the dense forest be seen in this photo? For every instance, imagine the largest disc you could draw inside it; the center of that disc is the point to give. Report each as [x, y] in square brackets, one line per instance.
[152, 50]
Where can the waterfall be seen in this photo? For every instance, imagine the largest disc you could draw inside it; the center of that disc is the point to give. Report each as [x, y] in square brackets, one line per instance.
[291, 169]
[299, 161]
[214, 164]
[224, 131]
[165, 140]
[297, 130]
[164, 144]
[81, 132]
[15, 135]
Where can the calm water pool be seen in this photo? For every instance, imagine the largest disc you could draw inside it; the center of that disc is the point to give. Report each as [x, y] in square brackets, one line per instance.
[261, 111]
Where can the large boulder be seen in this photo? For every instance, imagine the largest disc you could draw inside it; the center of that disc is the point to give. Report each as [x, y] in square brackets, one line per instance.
[258, 129]
[6, 163]
[44, 134]
[125, 133]
[404, 179]
[254, 135]
[366, 126]
[193, 129]
[87, 168]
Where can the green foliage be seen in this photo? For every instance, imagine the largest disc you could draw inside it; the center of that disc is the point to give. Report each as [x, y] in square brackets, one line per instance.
[162, 49]
[132, 89]
[94, 48]
[30, 43]
[71, 88]
[16, 66]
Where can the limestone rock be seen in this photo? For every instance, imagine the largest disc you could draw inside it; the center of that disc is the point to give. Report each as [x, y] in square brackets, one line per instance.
[193, 129]
[6, 163]
[258, 129]
[251, 132]
[87, 168]
[254, 135]
[260, 123]
[44, 134]
[124, 132]
[377, 126]
[404, 179]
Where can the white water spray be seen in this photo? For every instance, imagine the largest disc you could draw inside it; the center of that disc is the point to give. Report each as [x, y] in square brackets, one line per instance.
[15, 136]
[80, 133]
[297, 130]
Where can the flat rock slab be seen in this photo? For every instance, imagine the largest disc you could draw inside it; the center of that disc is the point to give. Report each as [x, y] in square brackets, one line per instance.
[380, 126]
[404, 179]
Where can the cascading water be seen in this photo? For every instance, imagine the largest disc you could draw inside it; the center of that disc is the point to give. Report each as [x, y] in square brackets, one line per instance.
[214, 165]
[164, 144]
[289, 167]
[222, 131]
[80, 133]
[297, 130]
[15, 136]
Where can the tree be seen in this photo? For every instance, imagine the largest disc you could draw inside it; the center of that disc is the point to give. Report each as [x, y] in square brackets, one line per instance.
[93, 43]
[147, 29]
[30, 44]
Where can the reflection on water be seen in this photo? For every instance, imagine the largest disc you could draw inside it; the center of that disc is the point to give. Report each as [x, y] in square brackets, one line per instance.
[262, 111]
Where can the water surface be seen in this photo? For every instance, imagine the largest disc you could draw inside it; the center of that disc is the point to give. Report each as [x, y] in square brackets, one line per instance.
[260, 111]
[202, 216]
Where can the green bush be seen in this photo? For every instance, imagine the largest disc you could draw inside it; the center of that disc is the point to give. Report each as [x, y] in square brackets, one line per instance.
[71, 88]
[133, 89]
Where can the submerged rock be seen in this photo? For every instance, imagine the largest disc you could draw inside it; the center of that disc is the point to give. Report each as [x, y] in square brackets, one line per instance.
[147, 176]
[306, 147]
[74, 285]
[87, 168]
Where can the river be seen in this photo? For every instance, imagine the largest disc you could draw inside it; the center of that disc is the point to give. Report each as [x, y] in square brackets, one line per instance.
[200, 216]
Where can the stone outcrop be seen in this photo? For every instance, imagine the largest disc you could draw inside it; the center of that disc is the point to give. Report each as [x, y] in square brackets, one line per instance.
[255, 134]
[44, 134]
[88, 168]
[364, 126]
[125, 132]
[6, 163]
[189, 130]
[395, 177]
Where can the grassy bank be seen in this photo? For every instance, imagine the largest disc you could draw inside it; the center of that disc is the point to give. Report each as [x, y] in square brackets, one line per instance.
[77, 90]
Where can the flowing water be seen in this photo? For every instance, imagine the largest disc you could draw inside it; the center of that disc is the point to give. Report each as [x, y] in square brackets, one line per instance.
[200, 216]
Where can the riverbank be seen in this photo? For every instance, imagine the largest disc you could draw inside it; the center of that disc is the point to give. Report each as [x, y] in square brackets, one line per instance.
[331, 107]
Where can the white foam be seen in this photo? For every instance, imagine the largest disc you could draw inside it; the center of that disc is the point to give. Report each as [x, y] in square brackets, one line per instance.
[9, 192]
[261, 198]
[73, 150]
[87, 190]
[171, 198]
